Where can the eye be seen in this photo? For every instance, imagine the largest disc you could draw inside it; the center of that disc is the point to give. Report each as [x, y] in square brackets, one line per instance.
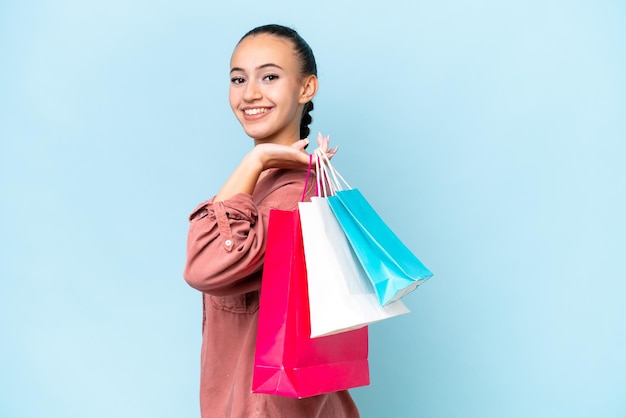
[237, 80]
[270, 77]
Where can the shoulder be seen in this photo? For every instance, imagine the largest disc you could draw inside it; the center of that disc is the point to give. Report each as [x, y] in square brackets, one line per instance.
[283, 189]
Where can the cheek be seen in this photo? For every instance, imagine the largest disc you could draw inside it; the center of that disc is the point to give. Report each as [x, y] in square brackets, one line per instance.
[233, 99]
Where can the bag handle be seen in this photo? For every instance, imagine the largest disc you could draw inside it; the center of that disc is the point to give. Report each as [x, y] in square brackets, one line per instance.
[325, 182]
[320, 176]
[306, 182]
[335, 180]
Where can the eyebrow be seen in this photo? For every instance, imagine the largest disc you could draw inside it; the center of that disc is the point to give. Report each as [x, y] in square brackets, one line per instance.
[258, 68]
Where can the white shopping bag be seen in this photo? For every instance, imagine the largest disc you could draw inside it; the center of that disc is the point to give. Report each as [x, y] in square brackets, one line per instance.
[341, 297]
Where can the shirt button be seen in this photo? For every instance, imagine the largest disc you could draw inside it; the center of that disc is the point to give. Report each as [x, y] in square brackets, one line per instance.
[228, 243]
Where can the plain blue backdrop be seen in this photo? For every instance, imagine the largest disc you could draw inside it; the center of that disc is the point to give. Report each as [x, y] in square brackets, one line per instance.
[490, 135]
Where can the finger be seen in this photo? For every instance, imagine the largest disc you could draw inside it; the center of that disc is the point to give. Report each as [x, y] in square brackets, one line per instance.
[330, 151]
[322, 142]
[327, 141]
[319, 139]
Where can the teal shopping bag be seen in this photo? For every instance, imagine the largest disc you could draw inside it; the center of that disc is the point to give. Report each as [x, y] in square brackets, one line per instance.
[391, 267]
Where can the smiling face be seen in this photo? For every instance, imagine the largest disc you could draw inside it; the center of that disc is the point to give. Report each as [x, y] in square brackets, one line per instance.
[267, 90]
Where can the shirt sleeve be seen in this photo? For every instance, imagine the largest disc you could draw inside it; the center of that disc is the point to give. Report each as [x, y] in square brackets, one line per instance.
[226, 241]
[225, 245]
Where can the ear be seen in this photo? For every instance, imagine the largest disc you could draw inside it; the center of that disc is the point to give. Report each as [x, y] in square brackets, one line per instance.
[308, 89]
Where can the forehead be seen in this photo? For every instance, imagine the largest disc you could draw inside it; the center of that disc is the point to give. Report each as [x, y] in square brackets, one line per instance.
[262, 49]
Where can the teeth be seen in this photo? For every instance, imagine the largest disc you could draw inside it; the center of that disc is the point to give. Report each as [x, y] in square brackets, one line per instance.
[255, 111]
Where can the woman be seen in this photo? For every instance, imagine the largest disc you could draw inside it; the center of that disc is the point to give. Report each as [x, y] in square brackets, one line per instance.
[273, 81]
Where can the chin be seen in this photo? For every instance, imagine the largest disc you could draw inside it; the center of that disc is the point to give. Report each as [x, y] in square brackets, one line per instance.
[258, 134]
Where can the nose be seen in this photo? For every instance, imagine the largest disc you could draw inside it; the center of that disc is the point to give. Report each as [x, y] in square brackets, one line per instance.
[252, 91]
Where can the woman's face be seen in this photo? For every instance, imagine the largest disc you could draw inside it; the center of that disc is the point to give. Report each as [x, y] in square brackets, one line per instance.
[267, 91]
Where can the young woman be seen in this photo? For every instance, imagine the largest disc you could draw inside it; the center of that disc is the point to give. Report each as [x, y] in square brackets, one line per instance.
[273, 80]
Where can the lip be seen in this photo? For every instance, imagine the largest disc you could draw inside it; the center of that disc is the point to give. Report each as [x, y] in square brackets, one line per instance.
[255, 116]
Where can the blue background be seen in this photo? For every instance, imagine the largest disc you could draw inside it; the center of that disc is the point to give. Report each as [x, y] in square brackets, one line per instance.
[490, 135]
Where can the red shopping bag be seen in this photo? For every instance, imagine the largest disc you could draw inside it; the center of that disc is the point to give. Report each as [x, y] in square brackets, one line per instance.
[288, 361]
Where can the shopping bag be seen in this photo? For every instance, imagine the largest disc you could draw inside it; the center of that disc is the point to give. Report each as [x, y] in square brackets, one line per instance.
[392, 268]
[341, 296]
[287, 360]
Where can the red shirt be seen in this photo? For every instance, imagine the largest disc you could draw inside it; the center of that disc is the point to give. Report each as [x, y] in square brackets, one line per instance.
[225, 249]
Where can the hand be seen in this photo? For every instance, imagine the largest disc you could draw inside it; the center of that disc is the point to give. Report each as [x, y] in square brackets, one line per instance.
[322, 144]
[282, 156]
[269, 155]
[265, 156]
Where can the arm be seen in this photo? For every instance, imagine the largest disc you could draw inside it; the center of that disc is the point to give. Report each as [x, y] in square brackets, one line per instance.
[265, 156]
[261, 158]
[226, 241]
[224, 245]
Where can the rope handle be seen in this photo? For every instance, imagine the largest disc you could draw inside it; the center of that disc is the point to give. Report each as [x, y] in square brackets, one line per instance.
[328, 181]
[306, 182]
[334, 179]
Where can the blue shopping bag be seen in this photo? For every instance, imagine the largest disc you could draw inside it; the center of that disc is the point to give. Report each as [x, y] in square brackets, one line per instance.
[391, 267]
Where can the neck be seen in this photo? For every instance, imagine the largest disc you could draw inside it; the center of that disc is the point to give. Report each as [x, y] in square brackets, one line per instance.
[286, 137]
